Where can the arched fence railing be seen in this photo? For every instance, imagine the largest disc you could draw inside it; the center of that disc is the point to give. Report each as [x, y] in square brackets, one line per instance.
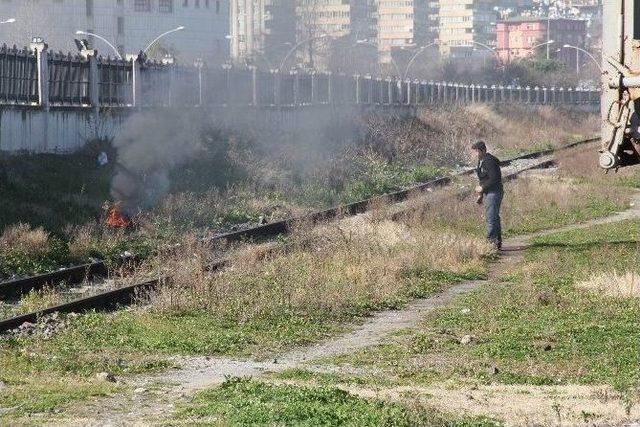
[41, 78]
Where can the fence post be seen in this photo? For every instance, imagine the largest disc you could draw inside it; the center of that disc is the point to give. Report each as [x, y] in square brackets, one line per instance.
[276, 87]
[199, 64]
[296, 87]
[40, 48]
[135, 81]
[432, 92]
[94, 82]
[254, 85]
[520, 94]
[312, 77]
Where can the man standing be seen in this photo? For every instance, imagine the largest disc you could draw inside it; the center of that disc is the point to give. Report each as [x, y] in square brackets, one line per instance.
[489, 190]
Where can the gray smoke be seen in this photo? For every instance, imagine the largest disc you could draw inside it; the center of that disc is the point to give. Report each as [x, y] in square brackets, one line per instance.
[149, 146]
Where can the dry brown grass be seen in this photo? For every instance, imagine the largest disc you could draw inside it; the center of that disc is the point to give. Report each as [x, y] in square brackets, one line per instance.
[94, 237]
[22, 237]
[513, 128]
[327, 268]
[613, 284]
[518, 405]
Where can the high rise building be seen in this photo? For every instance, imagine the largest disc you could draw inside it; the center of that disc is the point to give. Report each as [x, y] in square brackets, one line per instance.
[404, 25]
[261, 30]
[466, 27]
[129, 25]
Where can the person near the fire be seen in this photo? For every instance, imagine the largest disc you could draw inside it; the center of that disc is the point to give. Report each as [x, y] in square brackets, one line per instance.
[489, 190]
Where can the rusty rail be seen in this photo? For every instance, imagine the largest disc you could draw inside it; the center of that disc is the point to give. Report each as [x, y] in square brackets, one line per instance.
[128, 294]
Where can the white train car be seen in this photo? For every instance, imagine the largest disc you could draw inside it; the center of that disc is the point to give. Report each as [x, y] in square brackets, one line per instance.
[621, 84]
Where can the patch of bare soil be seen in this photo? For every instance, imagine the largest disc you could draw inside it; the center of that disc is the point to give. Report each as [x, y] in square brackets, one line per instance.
[517, 405]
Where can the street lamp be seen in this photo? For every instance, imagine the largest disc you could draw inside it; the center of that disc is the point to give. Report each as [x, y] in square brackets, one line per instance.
[393, 61]
[86, 33]
[489, 48]
[8, 21]
[578, 50]
[296, 46]
[548, 43]
[180, 28]
[413, 58]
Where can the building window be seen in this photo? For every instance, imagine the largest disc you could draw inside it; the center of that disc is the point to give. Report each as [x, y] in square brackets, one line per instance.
[165, 6]
[142, 5]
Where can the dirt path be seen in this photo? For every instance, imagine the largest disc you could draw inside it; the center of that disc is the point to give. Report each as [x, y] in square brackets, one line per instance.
[156, 395]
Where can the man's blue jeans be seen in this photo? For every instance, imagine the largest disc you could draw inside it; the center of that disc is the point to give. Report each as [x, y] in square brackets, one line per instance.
[492, 202]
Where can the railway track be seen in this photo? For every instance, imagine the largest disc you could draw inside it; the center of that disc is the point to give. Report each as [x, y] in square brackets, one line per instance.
[126, 295]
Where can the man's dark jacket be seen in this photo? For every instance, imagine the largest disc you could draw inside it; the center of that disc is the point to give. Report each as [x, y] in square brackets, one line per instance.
[489, 174]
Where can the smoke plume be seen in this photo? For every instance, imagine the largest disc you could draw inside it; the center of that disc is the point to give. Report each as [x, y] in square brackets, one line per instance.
[149, 146]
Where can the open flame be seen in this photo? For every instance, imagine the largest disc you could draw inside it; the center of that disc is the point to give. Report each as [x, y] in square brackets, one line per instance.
[117, 219]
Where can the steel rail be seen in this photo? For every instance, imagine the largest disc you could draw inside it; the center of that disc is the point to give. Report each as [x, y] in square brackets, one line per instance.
[77, 274]
[129, 294]
[282, 226]
[72, 275]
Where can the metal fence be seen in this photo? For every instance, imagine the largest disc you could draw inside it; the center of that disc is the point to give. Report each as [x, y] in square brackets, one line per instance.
[41, 78]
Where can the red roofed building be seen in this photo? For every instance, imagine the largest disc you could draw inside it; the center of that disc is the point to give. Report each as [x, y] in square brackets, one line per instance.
[517, 37]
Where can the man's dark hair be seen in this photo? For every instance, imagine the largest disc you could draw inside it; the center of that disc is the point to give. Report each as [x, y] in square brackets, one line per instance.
[479, 145]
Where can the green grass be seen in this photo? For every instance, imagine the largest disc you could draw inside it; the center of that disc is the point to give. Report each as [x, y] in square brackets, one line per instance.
[374, 178]
[48, 395]
[137, 341]
[246, 402]
[538, 328]
[549, 216]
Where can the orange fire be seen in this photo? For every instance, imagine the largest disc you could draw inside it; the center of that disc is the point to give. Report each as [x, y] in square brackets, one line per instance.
[117, 219]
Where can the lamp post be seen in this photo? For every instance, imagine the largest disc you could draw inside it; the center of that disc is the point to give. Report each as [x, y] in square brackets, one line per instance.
[548, 43]
[548, 35]
[86, 33]
[393, 61]
[489, 48]
[296, 46]
[413, 58]
[180, 28]
[8, 21]
[578, 50]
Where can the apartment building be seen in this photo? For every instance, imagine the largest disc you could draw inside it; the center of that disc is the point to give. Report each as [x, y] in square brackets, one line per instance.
[128, 25]
[520, 37]
[261, 30]
[466, 27]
